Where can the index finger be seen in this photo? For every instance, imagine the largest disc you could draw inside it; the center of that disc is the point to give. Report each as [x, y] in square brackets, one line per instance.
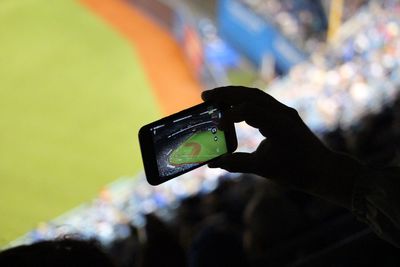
[233, 95]
[270, 124]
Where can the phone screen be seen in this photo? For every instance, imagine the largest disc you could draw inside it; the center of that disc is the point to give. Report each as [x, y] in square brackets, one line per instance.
[188, 141]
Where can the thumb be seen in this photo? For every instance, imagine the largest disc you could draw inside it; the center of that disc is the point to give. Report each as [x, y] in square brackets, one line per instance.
[236, 162]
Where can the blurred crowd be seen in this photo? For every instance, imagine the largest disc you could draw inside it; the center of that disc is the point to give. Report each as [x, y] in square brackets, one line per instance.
[302, 22]
[350, 79]
[243, 221]
[347, 94]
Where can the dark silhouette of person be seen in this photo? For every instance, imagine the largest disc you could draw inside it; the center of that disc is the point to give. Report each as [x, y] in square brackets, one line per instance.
[218, 243]
[61, 253]
[292, 155]
[162, 247]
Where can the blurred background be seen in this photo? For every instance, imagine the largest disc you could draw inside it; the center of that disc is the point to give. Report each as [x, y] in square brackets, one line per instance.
[79, 78]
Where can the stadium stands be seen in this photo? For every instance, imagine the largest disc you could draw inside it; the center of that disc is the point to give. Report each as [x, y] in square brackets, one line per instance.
[347, 94]
[353, 78]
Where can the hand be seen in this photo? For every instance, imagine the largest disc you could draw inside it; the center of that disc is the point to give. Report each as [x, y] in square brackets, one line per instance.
[291, 154]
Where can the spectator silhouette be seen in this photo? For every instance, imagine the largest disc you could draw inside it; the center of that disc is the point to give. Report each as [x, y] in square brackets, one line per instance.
[271, 218]
[218, 244]
[162, 247]
[292, 155]
[60, 253]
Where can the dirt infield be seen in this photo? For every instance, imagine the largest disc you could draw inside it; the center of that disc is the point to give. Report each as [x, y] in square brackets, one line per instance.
[174, 86]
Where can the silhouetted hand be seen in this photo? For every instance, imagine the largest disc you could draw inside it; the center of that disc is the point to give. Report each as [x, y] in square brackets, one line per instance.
[291, 154]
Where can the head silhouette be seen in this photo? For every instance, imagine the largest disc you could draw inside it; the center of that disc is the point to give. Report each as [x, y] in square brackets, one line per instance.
[60, 253]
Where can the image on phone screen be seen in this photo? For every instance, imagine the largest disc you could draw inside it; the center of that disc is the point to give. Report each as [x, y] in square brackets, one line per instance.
[189, 141]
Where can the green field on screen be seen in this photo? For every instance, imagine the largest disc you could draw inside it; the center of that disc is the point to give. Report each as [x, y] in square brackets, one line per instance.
[198, 148]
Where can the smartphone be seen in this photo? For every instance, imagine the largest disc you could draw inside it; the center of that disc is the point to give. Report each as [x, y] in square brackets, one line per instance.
[184, 141]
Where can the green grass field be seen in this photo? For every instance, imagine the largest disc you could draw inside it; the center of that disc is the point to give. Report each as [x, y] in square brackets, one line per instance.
[198, 148]
[72, 98]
